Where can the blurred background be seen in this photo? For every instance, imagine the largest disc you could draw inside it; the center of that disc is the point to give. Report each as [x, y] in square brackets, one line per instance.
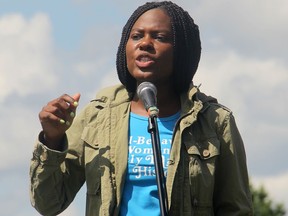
[48, 48]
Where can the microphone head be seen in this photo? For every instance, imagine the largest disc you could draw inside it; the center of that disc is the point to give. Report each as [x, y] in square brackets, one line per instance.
[147, 92]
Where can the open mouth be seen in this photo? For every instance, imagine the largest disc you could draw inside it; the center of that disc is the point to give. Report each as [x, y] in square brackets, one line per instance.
[144, 61]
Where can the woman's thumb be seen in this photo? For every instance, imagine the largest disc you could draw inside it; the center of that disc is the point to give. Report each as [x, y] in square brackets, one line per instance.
[76, 97]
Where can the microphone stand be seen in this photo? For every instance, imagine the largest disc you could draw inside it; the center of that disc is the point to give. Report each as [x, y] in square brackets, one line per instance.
[153, 130]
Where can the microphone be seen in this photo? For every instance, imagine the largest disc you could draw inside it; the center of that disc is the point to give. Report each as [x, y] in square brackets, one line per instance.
[147, 92]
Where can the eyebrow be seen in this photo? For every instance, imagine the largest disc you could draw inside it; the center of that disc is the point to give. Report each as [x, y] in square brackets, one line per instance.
[165, 30]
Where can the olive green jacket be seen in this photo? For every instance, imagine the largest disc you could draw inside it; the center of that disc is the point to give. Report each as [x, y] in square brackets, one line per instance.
[207, 173]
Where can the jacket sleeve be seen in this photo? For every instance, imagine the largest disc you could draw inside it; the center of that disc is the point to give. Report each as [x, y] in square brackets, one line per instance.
[231, 195]
[55, 176]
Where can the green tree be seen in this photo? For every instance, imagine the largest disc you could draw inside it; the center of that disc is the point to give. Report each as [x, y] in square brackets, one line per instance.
[263, 205]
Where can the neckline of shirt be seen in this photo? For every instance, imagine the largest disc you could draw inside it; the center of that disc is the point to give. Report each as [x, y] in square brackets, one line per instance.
[168, 118]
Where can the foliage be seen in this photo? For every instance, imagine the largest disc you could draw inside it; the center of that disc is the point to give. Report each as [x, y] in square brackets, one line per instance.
[263, 205]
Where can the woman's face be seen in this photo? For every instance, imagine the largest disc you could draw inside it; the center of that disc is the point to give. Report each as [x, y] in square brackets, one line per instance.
[149, 49]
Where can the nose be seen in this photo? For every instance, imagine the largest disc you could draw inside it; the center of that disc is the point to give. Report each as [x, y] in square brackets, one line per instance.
[146, 44]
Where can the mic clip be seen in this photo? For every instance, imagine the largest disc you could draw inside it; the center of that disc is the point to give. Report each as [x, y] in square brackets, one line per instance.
[153, 111]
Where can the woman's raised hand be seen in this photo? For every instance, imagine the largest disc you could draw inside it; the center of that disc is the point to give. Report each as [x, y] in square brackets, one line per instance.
[56, 117]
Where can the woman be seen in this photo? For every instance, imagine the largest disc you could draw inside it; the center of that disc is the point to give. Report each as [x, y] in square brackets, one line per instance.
[205, 164]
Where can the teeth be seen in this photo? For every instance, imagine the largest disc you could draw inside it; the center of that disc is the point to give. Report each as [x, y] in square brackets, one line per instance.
[145, 59]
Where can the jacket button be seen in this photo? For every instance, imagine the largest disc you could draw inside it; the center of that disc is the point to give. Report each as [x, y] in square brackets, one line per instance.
[206, 153]
[43, 157]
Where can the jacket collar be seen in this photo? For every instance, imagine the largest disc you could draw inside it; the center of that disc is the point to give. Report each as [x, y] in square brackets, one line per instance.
[195, 100]
[192, 101]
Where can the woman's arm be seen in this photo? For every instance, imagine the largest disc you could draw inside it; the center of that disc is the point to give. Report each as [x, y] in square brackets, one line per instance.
[232, 195]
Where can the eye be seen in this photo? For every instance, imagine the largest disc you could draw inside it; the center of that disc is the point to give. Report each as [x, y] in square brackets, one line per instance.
[162, 37]
[136, 36]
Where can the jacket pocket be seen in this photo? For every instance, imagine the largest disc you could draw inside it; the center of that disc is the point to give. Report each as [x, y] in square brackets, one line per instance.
[89, 136]
[201, 157]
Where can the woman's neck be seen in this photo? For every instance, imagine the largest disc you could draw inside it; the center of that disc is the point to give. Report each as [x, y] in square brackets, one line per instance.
[168, 103]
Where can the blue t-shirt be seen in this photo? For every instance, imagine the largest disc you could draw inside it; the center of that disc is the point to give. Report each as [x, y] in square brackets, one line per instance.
[140, 194]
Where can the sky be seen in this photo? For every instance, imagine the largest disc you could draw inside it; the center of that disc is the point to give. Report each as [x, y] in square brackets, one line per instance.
[48, 48]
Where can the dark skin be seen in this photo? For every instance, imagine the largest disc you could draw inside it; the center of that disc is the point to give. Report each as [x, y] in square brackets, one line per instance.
[149, 53]
[56, 117]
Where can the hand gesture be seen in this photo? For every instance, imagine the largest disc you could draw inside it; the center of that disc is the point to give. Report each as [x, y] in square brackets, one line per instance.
[56, 117]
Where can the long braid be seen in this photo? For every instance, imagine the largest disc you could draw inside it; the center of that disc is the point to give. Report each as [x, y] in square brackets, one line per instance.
[186, 42]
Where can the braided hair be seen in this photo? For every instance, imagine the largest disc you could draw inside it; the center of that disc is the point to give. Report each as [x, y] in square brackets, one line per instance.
[186, 46]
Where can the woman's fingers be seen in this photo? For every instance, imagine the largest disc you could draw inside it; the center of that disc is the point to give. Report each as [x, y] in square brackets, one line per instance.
[57, 116]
